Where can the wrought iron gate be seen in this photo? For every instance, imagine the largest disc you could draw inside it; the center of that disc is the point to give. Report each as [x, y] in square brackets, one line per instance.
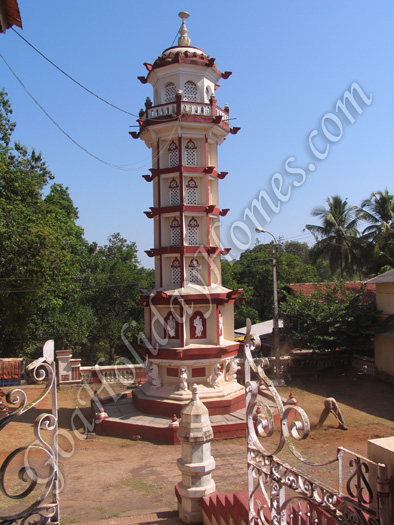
[281, 494]
[29, 474]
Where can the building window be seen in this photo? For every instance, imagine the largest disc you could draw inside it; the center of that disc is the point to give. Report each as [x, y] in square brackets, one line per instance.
[190, 91]
[207, 94]
[192, 232]
[191, 192]
[173, 157]
[169, 92]
[190, 154]
[175, 228]
[174, 192]
[194, 272]
[176, 272]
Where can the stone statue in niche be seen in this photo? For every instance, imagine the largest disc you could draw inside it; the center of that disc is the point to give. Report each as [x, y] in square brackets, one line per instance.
[171, 326]
[153, 375]
[232, 367]
[216, 376]
[198, 325]
[220, 324]
[183, 378]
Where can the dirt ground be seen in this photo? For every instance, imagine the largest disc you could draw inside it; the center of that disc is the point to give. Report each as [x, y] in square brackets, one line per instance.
[109, 477]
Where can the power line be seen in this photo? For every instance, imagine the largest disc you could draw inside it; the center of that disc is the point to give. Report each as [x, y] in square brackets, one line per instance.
[115, 166]
[177, 33]
[71, 78]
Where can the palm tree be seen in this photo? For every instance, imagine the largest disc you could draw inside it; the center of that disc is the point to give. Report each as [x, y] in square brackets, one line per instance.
[378, 211]
[337, 238]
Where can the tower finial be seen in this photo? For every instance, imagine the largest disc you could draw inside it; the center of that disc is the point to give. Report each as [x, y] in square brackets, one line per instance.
[183, 40]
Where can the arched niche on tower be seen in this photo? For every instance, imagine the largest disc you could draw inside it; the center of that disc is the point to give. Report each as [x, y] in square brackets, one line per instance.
[194, 271]
[190, 152]
[169, 92]
[192, 232]
[173, 189]
[171, 321]
[227, 312]
[172, 271]
[170, 230]
[176, 272]
[198, 326]
[173, 154]
[175, 231]
[191, 191]
[220, 325]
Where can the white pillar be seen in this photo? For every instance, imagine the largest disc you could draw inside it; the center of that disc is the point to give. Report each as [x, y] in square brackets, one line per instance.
[381, 451]
[196, 463]
[64, 365]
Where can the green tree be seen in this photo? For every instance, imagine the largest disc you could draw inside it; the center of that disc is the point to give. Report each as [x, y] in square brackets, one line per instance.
[331, 318]
[117, 278]
[23, 177]
[337, 238]
[253, 273]
[53, 284]
[378, 212]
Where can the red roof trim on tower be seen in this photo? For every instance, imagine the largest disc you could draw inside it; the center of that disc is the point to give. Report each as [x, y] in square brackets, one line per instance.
[186, 208]
[184, 169]
[195, 353]
[187, 250]
[9, 15]
[162, 298]
[177, 55]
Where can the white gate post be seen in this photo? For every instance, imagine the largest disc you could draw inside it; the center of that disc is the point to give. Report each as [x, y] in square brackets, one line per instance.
[196, 463]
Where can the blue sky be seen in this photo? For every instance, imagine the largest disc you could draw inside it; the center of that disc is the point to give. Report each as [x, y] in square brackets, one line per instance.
[291, 62]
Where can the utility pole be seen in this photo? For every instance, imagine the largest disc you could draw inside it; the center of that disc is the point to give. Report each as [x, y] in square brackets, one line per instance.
[278, 380]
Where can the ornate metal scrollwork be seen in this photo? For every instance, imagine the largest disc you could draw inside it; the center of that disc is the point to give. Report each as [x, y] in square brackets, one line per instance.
[24, 482]
[289, 431]
[291, 496]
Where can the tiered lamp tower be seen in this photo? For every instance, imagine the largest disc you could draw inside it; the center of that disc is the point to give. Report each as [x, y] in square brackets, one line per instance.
[189, 316]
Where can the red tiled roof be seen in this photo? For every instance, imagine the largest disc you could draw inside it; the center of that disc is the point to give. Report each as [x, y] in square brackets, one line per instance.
[369, 294]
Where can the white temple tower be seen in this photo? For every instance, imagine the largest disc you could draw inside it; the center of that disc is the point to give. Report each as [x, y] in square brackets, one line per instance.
[189, 316]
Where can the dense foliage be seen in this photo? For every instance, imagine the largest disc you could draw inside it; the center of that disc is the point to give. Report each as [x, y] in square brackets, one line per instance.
[331, 318]
[253, 273]
[356, 241]
[53, 284]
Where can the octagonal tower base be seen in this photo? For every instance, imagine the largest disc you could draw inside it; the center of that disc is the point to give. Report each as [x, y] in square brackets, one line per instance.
[224, 399]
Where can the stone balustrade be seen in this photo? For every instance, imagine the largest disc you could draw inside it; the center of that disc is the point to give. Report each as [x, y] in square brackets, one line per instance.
[187, 108]
[70, 371]
[162, 110]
